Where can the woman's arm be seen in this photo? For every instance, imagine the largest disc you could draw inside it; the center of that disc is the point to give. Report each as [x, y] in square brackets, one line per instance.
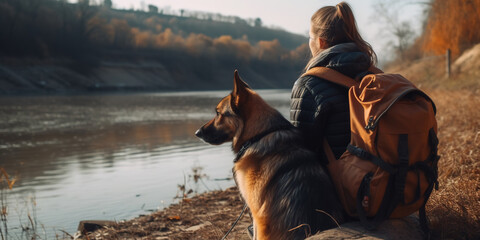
[319, 109]
[307, 110]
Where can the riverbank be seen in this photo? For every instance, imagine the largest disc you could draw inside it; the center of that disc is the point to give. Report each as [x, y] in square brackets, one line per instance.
[129, 71]
[210, 215]
[454, 210]
[206, 216]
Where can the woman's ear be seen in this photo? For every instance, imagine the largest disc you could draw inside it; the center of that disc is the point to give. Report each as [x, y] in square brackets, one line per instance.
[323, 44]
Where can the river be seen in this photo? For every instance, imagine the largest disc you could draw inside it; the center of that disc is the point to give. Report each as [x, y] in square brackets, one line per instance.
[108, 157]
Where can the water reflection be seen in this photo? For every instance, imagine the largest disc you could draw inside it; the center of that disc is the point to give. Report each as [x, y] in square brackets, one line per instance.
[39, 154]
[108, 157]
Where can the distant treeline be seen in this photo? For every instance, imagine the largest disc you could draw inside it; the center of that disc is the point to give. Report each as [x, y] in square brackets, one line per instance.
[50, 28]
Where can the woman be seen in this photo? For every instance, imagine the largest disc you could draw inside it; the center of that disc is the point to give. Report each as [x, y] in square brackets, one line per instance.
[319, 108]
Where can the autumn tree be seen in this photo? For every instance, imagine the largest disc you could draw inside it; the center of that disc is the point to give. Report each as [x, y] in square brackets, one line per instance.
[122, 35]
[452, 25]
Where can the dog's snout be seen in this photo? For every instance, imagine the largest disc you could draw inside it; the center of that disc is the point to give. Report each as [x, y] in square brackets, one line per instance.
[199, 133]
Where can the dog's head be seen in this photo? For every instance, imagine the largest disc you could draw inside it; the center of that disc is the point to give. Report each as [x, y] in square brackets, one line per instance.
[228, 121]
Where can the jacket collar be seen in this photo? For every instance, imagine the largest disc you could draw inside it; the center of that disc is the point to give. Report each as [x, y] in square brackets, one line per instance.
[344, 57]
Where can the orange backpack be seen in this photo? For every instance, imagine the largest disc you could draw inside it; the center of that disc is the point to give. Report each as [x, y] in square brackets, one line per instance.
[390, 166]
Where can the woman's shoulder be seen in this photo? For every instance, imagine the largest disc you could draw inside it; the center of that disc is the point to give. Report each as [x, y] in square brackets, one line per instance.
[316, 85]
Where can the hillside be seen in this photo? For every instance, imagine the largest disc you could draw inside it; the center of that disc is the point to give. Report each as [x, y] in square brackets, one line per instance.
[58, 47]
[194, 23]
[430, 72]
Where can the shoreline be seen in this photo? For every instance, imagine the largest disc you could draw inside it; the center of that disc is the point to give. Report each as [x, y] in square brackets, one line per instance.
[208, 216]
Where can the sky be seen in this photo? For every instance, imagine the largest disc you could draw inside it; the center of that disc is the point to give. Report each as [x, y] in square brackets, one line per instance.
[294, 15]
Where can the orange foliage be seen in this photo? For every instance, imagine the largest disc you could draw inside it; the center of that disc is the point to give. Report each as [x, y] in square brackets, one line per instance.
[120, 34]
[226, 45]
[301, 53]
[142, 39]
[168, 39]
[269, 50]
[452, 24]
[198, 43]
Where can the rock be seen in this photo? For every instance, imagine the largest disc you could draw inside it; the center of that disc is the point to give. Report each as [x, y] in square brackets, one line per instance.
[92, 225]
[405, 228]
[197, 227]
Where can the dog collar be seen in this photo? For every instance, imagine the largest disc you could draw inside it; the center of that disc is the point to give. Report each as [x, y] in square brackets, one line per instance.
[257, 138]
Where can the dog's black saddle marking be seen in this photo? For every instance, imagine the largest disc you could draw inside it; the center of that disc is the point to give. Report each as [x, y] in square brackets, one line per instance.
[257, 138]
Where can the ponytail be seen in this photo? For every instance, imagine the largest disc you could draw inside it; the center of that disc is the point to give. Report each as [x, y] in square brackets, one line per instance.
[337, 25]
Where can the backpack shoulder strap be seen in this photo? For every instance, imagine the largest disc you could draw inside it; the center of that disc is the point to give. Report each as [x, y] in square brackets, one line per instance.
[331, 75]
[336, 77]
[374, 69]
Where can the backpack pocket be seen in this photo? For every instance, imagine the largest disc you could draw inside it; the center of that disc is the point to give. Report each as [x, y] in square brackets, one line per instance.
[354, 176]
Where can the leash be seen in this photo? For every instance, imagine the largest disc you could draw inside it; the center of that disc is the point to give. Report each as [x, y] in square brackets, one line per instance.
[236, 221]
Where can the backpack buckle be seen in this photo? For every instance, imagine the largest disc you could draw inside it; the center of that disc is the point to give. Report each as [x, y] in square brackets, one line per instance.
[370, 124]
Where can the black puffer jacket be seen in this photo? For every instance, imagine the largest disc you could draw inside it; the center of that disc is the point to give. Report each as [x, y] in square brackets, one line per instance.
[319, 108]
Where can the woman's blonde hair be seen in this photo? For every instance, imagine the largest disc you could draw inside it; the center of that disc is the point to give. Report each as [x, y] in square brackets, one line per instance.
[337, 25]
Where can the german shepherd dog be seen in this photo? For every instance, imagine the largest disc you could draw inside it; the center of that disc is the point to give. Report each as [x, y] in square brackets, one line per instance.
[287, 190]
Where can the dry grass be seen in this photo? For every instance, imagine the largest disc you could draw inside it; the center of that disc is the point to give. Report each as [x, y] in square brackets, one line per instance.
[430, 72]
[454, 209]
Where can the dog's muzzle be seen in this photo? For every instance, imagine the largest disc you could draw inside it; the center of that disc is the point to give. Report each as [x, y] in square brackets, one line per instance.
[199, 133]
[211, 135]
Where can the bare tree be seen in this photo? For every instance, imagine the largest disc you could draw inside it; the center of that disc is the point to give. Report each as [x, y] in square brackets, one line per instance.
[108, 3]
[84, 13]
[401, 33]
[258, 22]
[152, 8]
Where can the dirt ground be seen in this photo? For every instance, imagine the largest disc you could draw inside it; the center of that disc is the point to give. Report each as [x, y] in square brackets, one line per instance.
[206, 216]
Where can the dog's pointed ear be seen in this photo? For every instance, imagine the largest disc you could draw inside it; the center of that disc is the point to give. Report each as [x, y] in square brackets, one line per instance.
[240, 91]
[239, 85]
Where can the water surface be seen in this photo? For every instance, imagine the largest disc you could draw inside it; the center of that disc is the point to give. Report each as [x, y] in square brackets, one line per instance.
[108, 157]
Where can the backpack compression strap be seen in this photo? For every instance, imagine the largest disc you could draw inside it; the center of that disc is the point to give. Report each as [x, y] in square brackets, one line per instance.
[336, 77]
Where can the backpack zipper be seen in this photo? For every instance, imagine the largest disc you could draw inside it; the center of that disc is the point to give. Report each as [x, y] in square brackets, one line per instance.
[372, 123]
